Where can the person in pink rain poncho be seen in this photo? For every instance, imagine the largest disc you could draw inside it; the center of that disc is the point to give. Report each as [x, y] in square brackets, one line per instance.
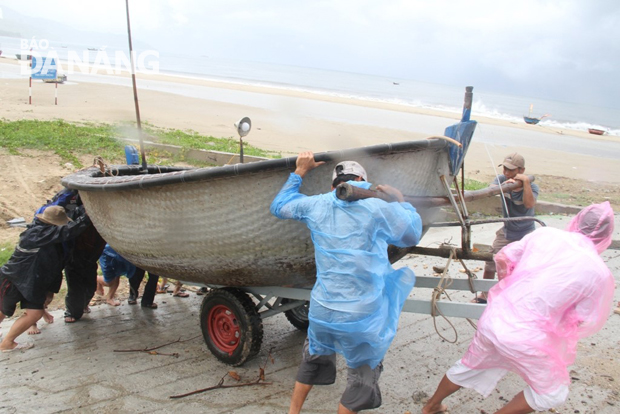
[553, 290]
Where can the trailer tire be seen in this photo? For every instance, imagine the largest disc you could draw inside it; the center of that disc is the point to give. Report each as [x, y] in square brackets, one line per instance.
[298, 317]
[231, 325]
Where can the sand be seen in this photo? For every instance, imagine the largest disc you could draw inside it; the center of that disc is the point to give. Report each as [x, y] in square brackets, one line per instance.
[289, 121]
[284, 121]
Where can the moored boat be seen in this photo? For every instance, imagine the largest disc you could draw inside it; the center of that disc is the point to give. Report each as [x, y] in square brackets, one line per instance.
[596, 131]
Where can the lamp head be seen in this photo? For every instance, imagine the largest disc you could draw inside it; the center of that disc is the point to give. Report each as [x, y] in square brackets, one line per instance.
[243, 126]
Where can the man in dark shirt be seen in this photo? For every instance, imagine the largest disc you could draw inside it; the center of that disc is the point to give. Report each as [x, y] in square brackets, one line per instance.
[516, 203]
[35, 269]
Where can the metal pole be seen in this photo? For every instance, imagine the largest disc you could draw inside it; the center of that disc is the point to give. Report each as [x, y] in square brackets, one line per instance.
[135, 90]
[241, 150]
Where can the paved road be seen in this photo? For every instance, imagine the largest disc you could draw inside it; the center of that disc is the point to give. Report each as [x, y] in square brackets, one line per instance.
[73, 367]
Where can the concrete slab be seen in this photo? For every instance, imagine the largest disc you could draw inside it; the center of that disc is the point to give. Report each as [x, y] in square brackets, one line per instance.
[73, 367]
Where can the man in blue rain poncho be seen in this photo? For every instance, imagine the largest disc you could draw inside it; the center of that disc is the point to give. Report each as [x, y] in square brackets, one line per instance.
[358, 296]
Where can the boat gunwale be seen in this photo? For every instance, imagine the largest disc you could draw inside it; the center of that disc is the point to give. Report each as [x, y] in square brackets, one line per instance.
[129, 177]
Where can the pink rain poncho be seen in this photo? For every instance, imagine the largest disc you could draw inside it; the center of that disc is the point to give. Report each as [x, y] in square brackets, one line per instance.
[554, 289]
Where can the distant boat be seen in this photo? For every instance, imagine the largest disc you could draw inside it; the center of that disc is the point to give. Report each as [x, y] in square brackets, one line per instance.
[395, 83]
[59, 79]
[596, 131]
[19, 56]
[93, 48]
[532, 120]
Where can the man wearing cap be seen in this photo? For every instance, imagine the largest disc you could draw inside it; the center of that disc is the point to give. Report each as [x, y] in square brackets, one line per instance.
[35, 269]
[357, 298]
[517, 203]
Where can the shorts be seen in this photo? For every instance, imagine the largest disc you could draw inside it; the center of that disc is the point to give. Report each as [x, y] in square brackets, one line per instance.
[10, 296]
[485, 380]
[362, 391]
[114, 267]
[498, 244]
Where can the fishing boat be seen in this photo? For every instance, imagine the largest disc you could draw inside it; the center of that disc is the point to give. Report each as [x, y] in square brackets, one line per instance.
[59, 79]
[529, 119]
[212, 226]
[19, 56]
[596, 131]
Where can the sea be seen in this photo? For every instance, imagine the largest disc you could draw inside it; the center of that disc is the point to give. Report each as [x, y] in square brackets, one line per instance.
[408, 92]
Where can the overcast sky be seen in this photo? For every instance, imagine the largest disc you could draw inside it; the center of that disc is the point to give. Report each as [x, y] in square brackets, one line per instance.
[561, 49]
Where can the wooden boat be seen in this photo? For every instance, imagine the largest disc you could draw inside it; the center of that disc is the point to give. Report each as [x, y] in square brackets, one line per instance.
[529, 119]
[59, 79]
[596, 131]
[213, 226]
[19, 56]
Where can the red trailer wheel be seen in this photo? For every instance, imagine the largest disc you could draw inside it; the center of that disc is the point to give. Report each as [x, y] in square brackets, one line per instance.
[231, 325]
[224, 328]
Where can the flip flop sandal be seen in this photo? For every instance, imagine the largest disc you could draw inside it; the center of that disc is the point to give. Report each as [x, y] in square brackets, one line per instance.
[181, 295]
[151, 306]
[480, 301]
[132, 301]
[20, 347]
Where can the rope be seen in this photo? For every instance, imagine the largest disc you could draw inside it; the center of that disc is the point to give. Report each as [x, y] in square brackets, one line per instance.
[497, 176]
[444, 282]
[103, 167]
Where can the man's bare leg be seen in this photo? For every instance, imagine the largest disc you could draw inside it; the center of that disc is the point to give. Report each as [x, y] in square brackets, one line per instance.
[488, 275]
[112, 286]
[518, 405]
[299, 396]
[100, 284]
[48, 317]
[444, 389]
[20, 326]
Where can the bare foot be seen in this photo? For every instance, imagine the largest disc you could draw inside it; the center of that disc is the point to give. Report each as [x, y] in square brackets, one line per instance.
[34, 330]
[87, 309]
[47, 317]
[113, 302]
[441, 408]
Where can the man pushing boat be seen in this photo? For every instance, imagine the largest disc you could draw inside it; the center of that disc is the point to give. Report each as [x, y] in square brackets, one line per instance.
[358, 296]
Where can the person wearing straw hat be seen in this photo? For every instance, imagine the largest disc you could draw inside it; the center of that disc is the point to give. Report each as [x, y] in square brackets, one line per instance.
[34, 271]
[516, 203]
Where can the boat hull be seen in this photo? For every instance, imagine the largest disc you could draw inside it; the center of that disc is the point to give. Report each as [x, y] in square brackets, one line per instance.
[530, 120]
[596, 131]
[213, 226]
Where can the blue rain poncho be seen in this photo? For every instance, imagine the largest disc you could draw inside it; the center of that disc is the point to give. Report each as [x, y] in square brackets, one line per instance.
[358, 296]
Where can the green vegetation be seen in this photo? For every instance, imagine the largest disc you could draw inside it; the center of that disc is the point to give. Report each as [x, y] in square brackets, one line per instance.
[6, 250]
[69, 140]
[63, 138]
[471, 185]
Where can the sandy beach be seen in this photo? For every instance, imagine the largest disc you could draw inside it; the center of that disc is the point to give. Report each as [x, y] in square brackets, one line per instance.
[289, 121]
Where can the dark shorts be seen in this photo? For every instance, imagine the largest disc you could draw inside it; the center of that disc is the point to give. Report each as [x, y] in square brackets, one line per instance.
[10, 297]
[362, 392]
